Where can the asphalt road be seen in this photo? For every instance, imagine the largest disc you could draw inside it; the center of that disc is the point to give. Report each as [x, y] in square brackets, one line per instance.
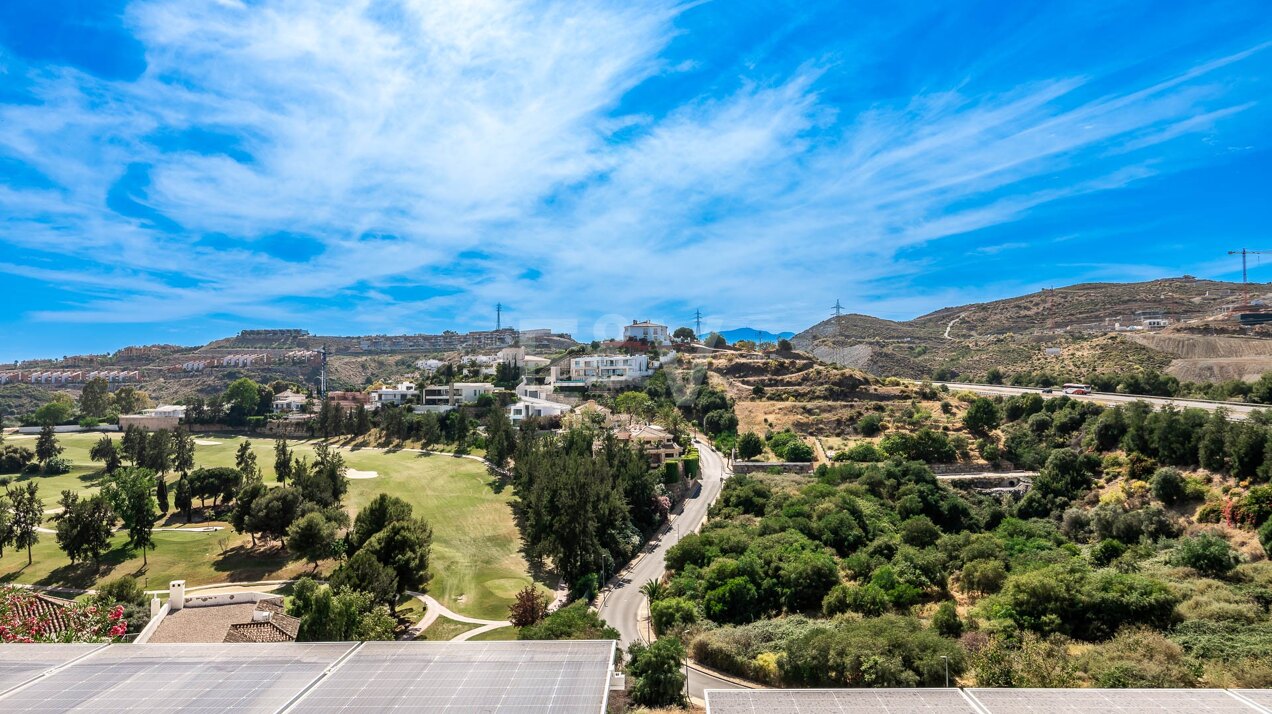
[621, 604]
[1236, 411]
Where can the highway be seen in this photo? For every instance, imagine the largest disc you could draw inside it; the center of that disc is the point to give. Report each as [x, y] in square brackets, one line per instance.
[1236, 410]
[621, 602]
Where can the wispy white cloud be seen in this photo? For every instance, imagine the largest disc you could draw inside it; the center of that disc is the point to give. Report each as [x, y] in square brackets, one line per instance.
[455, 144]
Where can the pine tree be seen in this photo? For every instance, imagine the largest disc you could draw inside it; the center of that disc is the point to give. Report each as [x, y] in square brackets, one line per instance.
[182, 451]
[46, 447]
[282, 461]
[161, 494]
[245, 461]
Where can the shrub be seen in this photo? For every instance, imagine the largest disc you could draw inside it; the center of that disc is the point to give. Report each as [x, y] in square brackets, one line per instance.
[672, 613]
[14, 459]
[57, 465]
[888, 651]
[870, 424]
[946, 621]
[861, 452]
[1106, 551]
[1207, 553]
[1139, 658]
[983, 577]
[868, 600]
[1168, 485]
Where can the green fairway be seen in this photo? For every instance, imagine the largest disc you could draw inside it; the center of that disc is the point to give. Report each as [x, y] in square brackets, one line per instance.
[497, 634]
[444, 628]
[476, 562]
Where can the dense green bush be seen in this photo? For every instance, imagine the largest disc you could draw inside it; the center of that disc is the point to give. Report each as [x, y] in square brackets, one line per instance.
[1207, 553]
[887, 651]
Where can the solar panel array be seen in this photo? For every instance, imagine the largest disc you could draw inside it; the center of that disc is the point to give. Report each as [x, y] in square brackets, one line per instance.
[460, 677]
[837, 701]
[1109, 701]
[179, 677]
[987, 701]
[22, 663]
[430, 677]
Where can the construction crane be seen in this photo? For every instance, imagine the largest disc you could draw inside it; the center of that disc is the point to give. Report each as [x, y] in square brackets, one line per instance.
[1245, 284]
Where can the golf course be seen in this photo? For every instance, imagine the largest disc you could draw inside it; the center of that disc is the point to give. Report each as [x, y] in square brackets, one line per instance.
[476, 563]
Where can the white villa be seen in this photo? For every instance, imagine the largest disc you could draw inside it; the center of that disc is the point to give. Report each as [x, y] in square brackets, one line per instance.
[531, 407]
[602, 369]
[444, 397]
[650, 332]
[289, 402]
[401, 394]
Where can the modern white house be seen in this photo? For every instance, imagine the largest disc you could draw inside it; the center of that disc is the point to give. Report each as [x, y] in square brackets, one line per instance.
[403, 393]
[444, 397]
[650, 332]
[289, 402]
[601, 369]
[165, 410]
[531, 407]
[430, 365]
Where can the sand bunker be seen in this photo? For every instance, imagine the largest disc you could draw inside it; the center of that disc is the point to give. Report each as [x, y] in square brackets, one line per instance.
[207, 442]
[354, 473]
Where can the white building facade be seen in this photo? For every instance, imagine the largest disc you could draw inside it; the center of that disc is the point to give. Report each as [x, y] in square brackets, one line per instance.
[650, 332]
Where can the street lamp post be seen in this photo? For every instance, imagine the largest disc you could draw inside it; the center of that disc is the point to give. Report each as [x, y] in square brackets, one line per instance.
[947, 669]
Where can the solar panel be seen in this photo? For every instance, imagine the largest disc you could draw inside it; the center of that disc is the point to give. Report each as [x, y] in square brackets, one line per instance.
[837, 701]
[1262, 697]
[22, 663]
[453, 677]
[157, 678]
[1107, 701]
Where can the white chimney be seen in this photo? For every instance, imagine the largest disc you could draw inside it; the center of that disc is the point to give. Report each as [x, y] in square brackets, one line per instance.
[176, 595]
[155, 607]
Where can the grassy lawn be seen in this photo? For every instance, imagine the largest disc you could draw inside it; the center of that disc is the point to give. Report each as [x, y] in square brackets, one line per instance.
[476, 564]
[444, 628]
[498, 634]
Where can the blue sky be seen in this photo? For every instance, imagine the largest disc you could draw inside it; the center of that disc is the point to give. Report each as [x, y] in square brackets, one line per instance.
[176, 171]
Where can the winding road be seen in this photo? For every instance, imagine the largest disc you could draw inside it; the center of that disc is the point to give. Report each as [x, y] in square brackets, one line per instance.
[622, 604]
[1237, 411]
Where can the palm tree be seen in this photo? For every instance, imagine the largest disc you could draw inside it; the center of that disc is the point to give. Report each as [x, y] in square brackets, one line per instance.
[654, 589]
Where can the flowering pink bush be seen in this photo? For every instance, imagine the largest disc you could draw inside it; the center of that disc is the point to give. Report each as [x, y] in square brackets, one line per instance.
[26, 617]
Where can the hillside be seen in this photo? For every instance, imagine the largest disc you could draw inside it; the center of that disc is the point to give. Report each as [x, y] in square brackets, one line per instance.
[1073, 330]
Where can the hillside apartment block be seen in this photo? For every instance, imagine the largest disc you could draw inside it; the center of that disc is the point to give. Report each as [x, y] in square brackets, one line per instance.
[444, 397]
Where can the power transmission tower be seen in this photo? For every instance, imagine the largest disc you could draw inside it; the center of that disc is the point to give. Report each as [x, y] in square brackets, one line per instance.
[839, 309]
[498, 316]
[697, 320]
[1245, 285]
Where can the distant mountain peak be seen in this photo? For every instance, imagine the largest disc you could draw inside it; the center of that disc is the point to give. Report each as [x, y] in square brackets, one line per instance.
[750, 333]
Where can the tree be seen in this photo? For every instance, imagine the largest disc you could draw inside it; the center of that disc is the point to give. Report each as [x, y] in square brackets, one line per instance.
[375, 516]
[46, 446]
[182, 451]
[243, 500]
[1207, 553]
[750, 445]
[158, 457]
[183, 497]
[683, 334]
[57, 411]
[131, 495]
[404, 547]
[720, 421]
[273, 512]
[501, 439]
[658, 673]
[95, 398]
[242, 396]
[6, 522]
[28, 511]
[637, 404]
[784, 345]
[105, 452]
[981, 416]
[161, 495]
[529, 608]
[799, 452]
[282, 460]
[363, 573]
[84, 526]
[133, 445]
[715, 341]
[329, 614]
[130, 400]
[245, 461]
[312, 537]
[361, 420]
[326, 483]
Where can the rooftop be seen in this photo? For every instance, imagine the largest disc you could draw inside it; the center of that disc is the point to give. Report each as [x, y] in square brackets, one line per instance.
[984, 701]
